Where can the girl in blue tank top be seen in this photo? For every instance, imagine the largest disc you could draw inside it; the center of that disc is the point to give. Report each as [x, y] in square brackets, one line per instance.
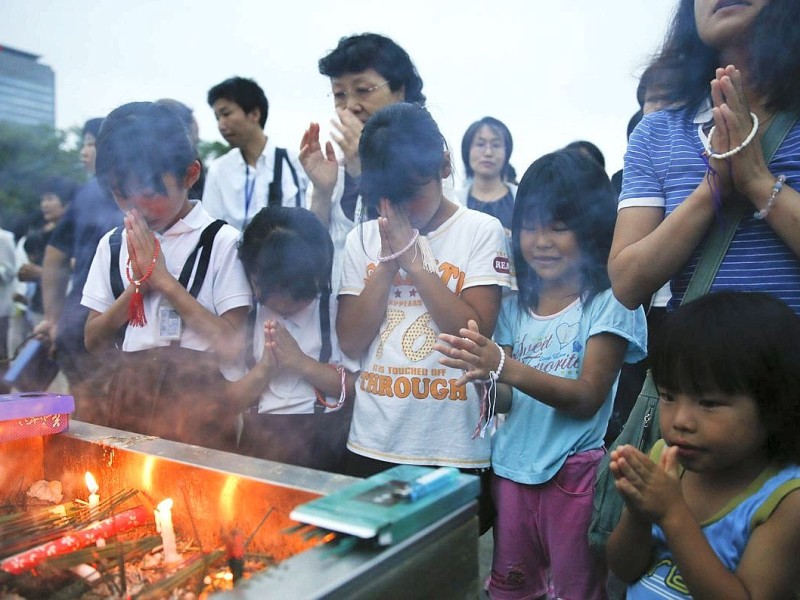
[714, 511]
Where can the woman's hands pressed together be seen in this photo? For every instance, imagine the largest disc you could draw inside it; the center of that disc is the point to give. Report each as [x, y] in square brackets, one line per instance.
[745, 171]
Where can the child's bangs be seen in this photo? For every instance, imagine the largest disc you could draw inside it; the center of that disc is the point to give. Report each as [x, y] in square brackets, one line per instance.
[143, 183]
[691, 358]
[391, 184]
[547, 205]
[400, 180]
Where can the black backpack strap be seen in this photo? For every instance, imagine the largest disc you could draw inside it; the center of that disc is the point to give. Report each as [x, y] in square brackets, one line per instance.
[325, 334]
[114, 276]
[249, 345]
[203, 247]
[325, 327]
[276, 186]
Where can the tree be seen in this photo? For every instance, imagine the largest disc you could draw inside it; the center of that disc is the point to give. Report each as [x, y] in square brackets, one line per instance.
[208, 151]
[28, 156]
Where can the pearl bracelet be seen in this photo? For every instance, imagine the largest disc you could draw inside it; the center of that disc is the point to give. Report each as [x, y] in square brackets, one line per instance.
[762, 214]
[495, 375]
[719, 156]
[414, 238]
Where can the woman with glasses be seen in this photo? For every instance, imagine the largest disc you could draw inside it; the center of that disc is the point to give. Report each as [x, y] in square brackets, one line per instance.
[486, 149]
[367, 72]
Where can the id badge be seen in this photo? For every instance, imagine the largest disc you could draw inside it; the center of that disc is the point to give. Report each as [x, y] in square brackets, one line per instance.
[169, 323]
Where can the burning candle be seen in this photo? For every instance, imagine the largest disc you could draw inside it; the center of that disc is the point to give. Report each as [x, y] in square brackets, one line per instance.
[164, 526]
[94, 501]
[94, 497]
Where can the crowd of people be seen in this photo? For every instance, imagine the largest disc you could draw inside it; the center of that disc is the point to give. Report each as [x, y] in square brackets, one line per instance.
[343, 308]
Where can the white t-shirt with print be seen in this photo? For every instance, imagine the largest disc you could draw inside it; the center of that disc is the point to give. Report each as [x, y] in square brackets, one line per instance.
[407, 408]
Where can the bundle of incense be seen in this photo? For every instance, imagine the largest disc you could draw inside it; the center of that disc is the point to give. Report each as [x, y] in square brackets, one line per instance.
[81, 538]
[22, 531]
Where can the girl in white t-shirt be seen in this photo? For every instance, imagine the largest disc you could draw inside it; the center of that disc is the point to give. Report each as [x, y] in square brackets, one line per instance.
[426, 265]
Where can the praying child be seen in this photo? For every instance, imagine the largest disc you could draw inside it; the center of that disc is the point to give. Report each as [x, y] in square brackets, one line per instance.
[183, 310]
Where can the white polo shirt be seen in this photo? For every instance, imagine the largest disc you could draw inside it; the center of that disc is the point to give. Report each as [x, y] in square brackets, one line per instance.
[225, 286]
[287, 393]
[224, 194]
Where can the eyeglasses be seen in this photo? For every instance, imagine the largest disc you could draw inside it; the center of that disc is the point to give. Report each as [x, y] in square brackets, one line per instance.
[483, 145]
[360, 93]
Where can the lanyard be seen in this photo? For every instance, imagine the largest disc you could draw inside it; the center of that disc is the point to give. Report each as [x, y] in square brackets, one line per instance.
[248, 190]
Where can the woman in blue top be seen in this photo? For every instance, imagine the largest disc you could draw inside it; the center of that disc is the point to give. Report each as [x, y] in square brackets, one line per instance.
[671, 200]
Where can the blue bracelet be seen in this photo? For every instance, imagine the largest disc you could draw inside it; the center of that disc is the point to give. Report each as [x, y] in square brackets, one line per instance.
[762, 214]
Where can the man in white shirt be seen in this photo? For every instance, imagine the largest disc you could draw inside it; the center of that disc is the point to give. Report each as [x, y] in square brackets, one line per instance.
[254, 173]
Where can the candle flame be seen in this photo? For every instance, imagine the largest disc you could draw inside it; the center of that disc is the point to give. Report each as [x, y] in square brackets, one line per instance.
[165, 505]
[228, 499]
[91, 483]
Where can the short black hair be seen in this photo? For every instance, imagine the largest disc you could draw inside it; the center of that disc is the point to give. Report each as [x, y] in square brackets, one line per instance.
[364, 51]
[138, 143]
[244, 92]
[500, 129]
[59, 186]
[92, 127]
[589, 149]
[735, 342]
[401, 149]
[287, 250]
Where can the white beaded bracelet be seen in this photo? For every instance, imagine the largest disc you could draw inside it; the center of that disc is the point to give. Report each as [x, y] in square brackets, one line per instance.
[414, 238]
[719, 156]
[495, 375]
[762, 214]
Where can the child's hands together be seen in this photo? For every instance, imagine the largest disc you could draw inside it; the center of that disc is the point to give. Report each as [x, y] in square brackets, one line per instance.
[396, 232]
[473, 352]
[650, 490]
[141, 250]
[283, 347]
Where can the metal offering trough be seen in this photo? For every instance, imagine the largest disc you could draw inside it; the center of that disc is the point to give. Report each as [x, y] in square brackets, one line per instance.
[221, 491]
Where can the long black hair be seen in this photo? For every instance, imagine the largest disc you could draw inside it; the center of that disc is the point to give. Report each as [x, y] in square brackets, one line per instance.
[401, 149]
[570, 187]
[686, 65]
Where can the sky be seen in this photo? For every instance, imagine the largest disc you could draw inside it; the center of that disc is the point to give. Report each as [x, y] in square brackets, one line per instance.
[553, 71]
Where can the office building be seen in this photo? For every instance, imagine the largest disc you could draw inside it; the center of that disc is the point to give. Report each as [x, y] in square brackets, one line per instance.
[27, 88]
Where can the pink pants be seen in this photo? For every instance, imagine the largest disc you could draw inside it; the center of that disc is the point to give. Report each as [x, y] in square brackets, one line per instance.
[540, 542]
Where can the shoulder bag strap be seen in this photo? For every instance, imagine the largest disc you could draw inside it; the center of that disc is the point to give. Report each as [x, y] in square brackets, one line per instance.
[720, 237]
[275, 197]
